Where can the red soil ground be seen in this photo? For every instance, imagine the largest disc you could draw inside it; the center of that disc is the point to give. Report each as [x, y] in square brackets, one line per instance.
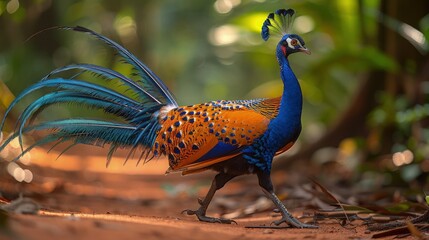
[81, 199]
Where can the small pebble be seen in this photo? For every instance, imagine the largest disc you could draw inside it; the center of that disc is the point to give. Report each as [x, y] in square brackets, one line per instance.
[73, 217]
[22, 206]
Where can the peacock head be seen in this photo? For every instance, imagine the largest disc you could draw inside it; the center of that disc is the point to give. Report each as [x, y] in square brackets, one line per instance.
[279, 22]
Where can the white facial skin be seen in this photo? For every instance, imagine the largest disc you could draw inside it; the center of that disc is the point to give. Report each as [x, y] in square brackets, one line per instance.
[293, 43]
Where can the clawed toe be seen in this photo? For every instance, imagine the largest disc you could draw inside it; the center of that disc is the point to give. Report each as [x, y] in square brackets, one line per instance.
[293, 222]
[222, 220]
[227, 221]
[189, 212]
[203, 218]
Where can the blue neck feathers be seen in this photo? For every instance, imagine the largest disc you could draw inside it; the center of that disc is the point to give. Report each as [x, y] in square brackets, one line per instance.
[283, 129]
[291, 103]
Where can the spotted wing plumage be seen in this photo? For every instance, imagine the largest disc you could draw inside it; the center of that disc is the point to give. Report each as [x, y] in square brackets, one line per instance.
[197, 136]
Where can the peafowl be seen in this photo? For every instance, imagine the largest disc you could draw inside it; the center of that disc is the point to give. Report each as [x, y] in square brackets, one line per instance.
[232, 138]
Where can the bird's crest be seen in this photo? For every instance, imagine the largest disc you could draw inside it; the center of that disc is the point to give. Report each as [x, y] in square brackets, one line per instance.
[278, 22]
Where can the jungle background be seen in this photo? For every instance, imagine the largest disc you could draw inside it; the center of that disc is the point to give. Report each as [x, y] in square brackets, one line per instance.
[365, 87]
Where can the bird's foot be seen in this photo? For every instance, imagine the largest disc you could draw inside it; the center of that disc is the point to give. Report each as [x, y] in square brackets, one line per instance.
[293, 222]
[203, 218]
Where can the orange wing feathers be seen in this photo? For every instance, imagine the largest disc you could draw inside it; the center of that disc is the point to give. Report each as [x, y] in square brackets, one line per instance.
[188, 133]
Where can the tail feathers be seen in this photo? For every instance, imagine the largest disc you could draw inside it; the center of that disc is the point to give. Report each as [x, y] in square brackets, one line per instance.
[139, 127]
[88, 131]
[118, 109]
[143, 95]
[74, 86]
[135, 105]
[148, 79]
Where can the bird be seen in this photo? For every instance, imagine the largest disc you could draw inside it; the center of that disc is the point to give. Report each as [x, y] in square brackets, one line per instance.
[231, 137]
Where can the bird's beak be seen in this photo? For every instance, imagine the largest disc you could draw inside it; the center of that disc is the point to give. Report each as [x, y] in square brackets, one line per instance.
[305, 50]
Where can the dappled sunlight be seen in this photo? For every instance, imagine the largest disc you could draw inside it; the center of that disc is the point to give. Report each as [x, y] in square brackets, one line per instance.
[86, 158]
[111, 217]
[402, 158]
[12, 6]
[78, 158]
[224, 35]
[135, 219]
[125, 26]
[304, 24]
[225, 6]
[20, 174]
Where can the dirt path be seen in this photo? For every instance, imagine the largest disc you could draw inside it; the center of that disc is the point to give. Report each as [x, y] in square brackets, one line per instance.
[106, 226]
[81, 199]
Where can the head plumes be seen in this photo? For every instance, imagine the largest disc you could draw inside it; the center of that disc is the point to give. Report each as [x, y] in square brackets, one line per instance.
[277, 22]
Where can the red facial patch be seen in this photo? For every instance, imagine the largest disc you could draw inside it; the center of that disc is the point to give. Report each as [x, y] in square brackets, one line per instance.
[284, 50]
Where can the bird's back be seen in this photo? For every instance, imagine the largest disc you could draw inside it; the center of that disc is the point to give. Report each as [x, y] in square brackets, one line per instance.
[197, 136]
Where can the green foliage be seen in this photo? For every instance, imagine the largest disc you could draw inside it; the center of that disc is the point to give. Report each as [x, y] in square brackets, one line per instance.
[187, 46]
[398, 208]
[213, 50]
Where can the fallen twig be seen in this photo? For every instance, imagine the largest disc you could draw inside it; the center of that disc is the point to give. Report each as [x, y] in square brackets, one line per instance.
[424, 218]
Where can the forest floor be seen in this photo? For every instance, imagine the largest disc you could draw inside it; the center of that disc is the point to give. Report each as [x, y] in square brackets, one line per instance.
[79, 198]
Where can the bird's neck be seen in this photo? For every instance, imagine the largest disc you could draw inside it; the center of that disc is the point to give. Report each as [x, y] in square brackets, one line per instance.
[291, 103]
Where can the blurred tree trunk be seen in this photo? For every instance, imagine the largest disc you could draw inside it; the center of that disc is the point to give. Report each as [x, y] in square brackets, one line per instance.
[39, 16]
[353, 121]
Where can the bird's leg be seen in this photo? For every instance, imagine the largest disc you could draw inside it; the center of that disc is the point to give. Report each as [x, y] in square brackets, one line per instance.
[267, 187]
[218, 182]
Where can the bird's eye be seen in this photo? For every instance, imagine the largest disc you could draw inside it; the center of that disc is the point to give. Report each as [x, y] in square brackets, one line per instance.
[294, 42]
